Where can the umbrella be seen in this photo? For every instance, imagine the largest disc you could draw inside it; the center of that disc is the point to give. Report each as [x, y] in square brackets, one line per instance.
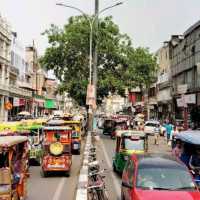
[140, 115]
[24, 113]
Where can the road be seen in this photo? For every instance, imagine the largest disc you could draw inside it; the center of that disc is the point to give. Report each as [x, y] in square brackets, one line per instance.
[55, 187]
[58, 187]
[106, 149]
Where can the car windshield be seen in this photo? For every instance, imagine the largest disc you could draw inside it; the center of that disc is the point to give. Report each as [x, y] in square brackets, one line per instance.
[134, 144]
[164, 179]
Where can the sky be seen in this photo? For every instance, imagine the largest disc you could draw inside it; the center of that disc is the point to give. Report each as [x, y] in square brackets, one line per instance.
[148, 22]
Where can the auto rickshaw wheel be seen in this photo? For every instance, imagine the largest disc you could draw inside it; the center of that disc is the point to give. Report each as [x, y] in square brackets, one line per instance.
[67, 173]
[44, 174]
[39, 161]
[114, 168]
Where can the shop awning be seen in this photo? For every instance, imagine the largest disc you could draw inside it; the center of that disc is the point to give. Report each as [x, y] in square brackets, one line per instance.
[50, 104]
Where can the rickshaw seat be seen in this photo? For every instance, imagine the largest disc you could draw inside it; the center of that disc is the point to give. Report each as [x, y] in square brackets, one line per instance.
[5, 176]
[5, 181]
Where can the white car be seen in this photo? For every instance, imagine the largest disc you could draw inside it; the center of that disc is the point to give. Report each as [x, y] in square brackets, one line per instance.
[149, 127]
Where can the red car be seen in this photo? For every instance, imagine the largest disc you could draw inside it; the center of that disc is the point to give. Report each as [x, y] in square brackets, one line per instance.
[156, 177]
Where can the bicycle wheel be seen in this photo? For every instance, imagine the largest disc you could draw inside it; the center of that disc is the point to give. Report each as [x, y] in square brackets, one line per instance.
[102, 195]
[92, 195]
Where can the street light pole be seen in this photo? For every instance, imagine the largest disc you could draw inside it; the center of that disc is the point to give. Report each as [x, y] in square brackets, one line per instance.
[91, 24]
[95, 71]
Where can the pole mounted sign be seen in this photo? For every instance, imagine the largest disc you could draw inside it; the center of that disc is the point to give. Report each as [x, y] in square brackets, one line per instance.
[90, 99]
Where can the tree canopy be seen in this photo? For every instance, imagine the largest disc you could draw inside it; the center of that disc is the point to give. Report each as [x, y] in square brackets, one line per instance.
[119, 64]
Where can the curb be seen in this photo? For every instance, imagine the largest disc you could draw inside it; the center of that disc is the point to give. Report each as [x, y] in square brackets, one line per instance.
[81, 193]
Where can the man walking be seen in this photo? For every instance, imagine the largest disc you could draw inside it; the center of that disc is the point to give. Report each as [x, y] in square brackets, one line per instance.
[169, 129]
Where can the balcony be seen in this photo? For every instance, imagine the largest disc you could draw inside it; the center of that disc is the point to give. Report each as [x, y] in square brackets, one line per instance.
[5, 31]
[11, 89]
[14, 70]
[20, 91]
[24, 85]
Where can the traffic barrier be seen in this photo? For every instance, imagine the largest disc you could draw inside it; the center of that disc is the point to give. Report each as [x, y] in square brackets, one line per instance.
[81, 193]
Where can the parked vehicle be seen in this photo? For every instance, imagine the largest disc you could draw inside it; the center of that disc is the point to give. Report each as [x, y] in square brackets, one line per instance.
[76, 135]
[150, 126]
[127, 143]
[57, 150]
[154, 177]
[109, 126]
[13, 167]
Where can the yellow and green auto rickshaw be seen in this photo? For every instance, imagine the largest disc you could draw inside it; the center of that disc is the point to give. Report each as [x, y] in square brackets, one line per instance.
[35, 136]
[76, 135]
[127, 143]
[9, 126]
[13, 167]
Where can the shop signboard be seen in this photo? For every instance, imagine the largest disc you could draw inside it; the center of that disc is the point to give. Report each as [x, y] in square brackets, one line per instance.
[90, 99]
[186, 99]
[15, 102]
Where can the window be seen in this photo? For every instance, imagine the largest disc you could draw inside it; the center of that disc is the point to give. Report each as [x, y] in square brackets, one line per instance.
[169, 178]
[134, 144]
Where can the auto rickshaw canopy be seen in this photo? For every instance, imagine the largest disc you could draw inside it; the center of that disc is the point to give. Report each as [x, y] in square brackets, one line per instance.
[129, 133]
[8, 141]
[55, 122]
[191, 136]
[61, 128]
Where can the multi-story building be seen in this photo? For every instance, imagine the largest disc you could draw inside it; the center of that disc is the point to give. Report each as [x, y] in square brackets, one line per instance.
[164, 96]
[37, 80]
[20, 101]
[5, 42]
[8, 74]
[51, 98]
[186, 72]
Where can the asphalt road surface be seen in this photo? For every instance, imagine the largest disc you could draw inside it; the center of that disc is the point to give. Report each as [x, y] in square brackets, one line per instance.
[55, 187]
[106, 149]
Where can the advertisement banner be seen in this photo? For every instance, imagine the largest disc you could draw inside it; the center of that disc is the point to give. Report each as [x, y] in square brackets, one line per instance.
[90, 95]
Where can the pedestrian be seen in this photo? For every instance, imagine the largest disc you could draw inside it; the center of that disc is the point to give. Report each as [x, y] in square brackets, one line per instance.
[177, 150]
[175, 131]
[169, 129]
[156, 134]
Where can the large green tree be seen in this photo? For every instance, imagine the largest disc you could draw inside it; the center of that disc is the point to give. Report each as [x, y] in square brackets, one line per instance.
[119, 64]
[142, 70]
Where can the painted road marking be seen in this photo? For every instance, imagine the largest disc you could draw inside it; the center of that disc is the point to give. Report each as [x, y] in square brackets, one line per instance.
[116, 183]
[59, 189]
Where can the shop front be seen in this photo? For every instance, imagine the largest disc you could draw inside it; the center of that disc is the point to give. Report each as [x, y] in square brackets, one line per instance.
[185, 105]
[18, 105]
[49, 105]
[164, 98]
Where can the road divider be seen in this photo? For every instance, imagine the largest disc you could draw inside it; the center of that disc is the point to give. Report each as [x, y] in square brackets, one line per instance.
[81, 193]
